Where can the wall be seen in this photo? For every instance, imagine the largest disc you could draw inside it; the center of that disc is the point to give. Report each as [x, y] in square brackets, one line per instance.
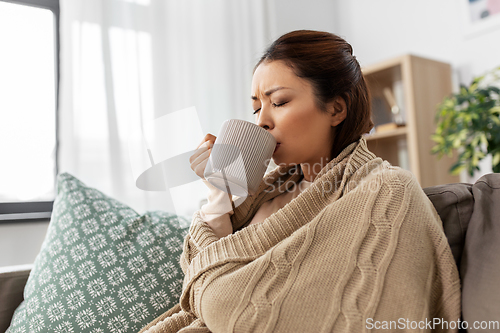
[298, 14]
[383, 29]
[436, 29]
[20, 242]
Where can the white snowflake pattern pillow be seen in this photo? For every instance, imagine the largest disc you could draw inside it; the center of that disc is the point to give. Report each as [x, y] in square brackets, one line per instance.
[102, 267]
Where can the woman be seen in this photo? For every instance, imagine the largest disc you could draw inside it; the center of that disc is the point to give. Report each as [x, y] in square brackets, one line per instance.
[335, 239]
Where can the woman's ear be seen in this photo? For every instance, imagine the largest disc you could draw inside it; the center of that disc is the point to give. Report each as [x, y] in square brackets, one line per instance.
[338, 108]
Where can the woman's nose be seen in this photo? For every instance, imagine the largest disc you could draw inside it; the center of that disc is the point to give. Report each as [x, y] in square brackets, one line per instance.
[264, 118]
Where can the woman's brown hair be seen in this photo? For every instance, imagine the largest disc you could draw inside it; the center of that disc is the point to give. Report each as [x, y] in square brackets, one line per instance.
[326, 61]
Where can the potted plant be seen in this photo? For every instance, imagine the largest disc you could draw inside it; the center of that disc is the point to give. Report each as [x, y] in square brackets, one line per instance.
[469, 122]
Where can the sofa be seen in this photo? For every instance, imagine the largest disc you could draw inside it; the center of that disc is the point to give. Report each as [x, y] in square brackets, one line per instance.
[471, 222]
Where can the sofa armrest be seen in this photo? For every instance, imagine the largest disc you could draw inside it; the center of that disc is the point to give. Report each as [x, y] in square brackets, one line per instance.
[12, 281]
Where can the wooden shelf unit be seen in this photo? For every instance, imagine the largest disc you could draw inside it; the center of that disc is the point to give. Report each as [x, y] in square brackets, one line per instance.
[425, 83]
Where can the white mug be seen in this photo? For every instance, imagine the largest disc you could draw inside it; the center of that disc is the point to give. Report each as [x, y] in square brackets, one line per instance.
[239, 157]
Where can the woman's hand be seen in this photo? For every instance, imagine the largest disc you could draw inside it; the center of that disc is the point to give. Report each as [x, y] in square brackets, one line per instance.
[216, 213]
[199, 159]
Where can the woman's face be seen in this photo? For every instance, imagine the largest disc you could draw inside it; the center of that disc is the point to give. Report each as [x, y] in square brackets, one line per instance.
[286, 107]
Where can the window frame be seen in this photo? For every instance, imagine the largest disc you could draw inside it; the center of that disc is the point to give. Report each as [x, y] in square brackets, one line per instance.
[31, 211]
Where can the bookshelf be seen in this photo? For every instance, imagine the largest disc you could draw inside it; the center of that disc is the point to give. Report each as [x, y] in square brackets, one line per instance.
[417, 85]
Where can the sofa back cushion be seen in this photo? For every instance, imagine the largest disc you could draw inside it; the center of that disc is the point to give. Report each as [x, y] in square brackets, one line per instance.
[480, 266]
[454, 203]
[471, 221]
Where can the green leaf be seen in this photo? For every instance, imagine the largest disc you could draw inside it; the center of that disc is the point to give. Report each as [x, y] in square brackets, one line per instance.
[484, 141]
[475, 160]
[437, 138]
[475, 142]
[473, 86]
[496, 159]
[495, 89]
[457, 168]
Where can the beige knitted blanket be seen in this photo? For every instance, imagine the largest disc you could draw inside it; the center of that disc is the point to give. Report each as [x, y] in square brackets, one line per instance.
[362, 245]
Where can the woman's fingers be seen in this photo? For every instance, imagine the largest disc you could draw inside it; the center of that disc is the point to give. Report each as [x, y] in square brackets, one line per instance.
[200, 169]
[198, 160]
[208, 137]
[200, 157]
[200, 150]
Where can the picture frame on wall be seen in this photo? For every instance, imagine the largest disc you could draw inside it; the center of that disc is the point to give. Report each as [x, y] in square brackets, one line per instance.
[480, 16]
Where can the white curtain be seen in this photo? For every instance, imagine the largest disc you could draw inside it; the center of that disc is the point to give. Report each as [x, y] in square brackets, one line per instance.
[125, 63]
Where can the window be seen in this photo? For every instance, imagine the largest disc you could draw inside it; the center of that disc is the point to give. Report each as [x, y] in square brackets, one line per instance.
[29, 85]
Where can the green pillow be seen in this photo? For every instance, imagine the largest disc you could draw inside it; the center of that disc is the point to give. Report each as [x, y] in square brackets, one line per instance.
[102, 267]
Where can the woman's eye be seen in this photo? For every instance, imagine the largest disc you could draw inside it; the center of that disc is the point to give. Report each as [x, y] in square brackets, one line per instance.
[277, 105]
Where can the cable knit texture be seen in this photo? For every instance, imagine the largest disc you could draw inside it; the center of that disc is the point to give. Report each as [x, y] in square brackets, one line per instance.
[362, 241]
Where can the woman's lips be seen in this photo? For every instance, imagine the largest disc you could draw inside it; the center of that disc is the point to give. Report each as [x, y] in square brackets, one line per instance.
[277, 146]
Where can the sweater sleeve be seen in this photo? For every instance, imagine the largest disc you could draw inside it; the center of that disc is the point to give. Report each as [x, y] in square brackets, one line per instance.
[219, 209]
[171, 321]
[199, 237]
